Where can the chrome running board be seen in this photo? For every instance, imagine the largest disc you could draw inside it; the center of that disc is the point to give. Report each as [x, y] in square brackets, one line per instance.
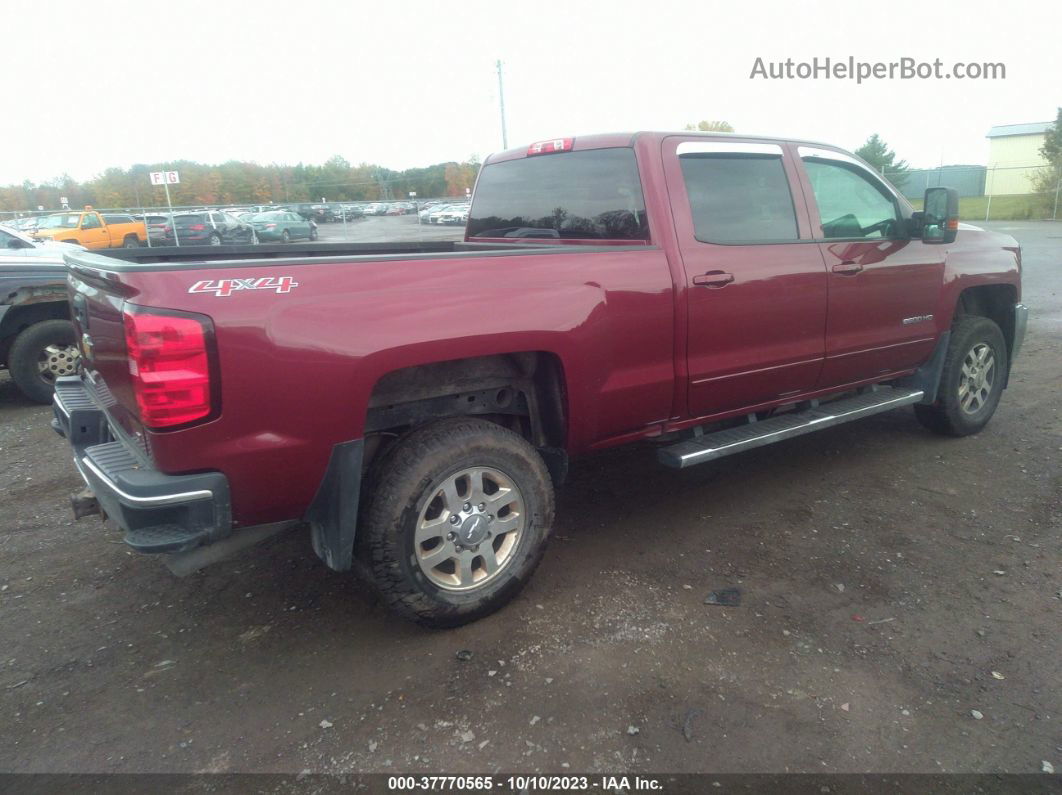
[711, 446]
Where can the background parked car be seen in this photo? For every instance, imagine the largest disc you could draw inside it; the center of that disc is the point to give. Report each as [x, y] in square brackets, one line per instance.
[156, 227]
[26, 225]
[36, 336]
[283, 227]
[92, 229]
[448, 214]
[16, 243]
[207, 228]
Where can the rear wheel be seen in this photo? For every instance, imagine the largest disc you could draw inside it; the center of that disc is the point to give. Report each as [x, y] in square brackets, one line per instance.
[215, 239]
[40, 354]
[971, 383]
[313, 234]
[457, 520]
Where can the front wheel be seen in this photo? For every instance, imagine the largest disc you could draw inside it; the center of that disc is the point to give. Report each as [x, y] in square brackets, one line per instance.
[971, 383]
[40, 354]
[131, 242]
[457, 520]
[285, 236]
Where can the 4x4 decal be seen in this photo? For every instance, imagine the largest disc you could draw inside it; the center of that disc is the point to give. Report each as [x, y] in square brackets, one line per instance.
[226, 287]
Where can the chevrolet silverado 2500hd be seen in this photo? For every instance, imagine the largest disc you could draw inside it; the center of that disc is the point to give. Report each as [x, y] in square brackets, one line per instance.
[414, 406]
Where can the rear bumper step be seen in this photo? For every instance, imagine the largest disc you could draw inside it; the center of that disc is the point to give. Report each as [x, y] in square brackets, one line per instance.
[157, 512]
[786, 426]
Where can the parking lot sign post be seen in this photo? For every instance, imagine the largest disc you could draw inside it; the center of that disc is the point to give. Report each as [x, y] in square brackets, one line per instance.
[165, 178]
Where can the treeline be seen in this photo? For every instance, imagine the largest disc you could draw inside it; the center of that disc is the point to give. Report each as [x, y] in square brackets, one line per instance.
[237, 182]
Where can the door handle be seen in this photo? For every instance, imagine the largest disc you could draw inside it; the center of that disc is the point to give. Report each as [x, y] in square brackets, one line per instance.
[847, 268]
[713, 279]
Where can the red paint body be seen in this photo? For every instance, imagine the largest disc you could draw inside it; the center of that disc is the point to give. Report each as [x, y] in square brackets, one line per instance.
[643, 350]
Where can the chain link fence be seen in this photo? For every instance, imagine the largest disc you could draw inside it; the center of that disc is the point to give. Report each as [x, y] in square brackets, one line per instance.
[997, 193]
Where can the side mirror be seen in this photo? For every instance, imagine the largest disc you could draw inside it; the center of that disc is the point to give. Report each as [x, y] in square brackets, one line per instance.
[940, 215]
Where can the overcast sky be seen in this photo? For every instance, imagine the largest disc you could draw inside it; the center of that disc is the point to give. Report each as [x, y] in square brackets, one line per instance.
[401, 84]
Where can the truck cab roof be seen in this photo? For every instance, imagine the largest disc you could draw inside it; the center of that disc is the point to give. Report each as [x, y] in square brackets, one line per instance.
[621, 139]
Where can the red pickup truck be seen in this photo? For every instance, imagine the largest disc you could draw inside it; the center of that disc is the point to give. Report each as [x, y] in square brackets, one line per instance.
[414, 406]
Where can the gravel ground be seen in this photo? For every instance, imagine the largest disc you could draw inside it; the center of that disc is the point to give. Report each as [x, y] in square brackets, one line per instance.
[902, 597]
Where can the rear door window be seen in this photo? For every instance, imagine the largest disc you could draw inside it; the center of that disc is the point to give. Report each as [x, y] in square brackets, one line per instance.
[739, 197]
[591, 195]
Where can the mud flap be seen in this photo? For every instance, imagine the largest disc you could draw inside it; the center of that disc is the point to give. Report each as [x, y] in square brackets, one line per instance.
[927, 377]
[333, 514]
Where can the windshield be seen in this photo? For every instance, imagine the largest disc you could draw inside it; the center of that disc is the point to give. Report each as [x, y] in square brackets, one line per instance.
[266, 216]
[65, 221]
[7, 230]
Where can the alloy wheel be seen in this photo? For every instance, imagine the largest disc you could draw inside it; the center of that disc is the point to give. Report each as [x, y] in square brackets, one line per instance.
[469, 528]
[977, 379]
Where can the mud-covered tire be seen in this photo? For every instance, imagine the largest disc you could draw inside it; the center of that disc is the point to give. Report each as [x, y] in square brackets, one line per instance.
[400, 488]
[947, 416]
[26, 352]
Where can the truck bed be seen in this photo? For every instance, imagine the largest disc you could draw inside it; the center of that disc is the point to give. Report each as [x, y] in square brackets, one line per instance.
[292, 253]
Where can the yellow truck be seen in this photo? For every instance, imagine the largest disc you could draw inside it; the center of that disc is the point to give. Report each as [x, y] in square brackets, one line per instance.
[92, 229]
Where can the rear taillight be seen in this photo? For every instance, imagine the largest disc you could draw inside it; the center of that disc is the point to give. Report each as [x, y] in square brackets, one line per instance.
[197, 227]
[270, 226]
[169, 361]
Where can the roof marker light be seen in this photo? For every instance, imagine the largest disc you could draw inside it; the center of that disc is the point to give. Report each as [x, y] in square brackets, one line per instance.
[551, 146]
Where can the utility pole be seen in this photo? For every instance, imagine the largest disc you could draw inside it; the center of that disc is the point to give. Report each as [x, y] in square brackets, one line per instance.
[501, 103]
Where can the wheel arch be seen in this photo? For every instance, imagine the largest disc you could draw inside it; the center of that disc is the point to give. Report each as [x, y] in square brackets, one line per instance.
[39, 305]
[412, 396]
[996, 302]
[522, 390]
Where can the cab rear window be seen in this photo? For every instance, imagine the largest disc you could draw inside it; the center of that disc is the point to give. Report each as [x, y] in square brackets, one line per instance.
[589, 195]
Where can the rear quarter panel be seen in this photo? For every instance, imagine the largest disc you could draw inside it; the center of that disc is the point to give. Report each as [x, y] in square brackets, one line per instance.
[298, 368]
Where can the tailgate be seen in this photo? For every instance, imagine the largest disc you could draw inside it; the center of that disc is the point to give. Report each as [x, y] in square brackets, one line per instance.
[96, 298]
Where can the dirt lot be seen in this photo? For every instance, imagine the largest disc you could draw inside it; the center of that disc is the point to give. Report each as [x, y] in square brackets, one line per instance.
[893, 582]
